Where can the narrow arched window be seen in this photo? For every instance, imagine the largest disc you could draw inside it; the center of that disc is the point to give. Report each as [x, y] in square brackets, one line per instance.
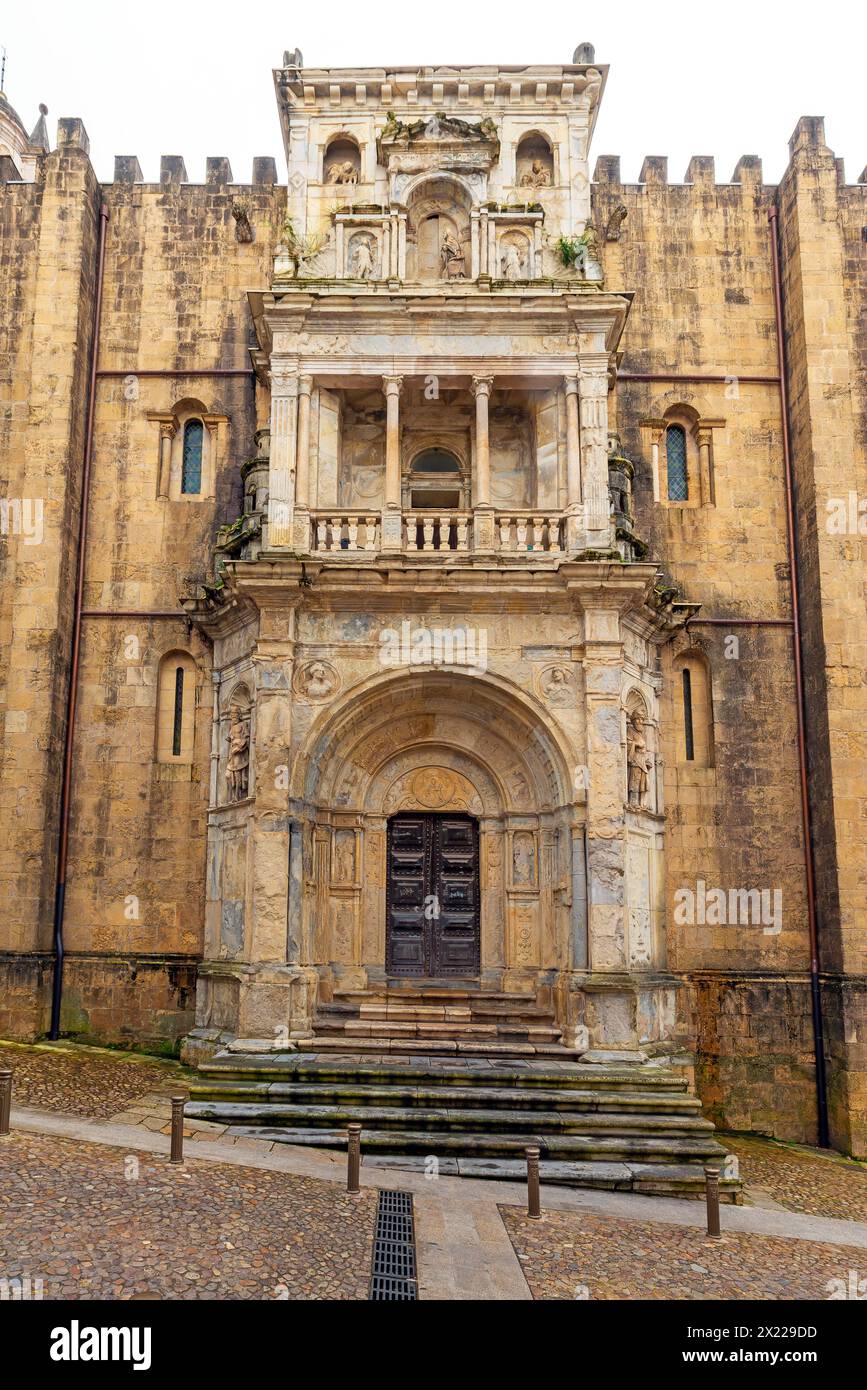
[693, 710]
[191, 466]
[177, 727]
[176, 708]
[675, 449]
[688, 737]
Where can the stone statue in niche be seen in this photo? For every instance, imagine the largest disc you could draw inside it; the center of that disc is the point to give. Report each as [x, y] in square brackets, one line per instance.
[238, 765]
[362, 263]
[524, 861]
[343, 171]
[514, 264]
[638, 763]
[452, 258]
[536, 176]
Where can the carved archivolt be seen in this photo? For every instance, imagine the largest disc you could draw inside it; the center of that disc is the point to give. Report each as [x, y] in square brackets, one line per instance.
[513, 754]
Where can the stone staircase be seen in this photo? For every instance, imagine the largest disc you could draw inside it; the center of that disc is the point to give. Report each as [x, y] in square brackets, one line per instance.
[451, 1018]
[624, 1128]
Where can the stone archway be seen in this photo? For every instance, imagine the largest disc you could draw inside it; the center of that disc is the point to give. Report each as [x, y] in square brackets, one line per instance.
[438, 741]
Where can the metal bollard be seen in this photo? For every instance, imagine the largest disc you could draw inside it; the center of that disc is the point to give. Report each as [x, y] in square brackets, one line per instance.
[711, 1179]
[5, 1101]
[534, 1208]
[353, 1158]
[177, 1154]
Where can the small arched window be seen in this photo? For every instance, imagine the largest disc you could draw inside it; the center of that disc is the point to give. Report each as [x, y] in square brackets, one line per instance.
[435, 461]
[191, 463]
[176, 708]
[675, 453]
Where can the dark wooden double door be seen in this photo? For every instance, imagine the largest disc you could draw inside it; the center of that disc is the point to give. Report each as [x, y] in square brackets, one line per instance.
[432, 895]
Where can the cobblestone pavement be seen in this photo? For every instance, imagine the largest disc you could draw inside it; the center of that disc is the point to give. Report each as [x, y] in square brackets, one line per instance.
[576, 1255]
[95, 1222]
[85, 1081]
[806, 1180]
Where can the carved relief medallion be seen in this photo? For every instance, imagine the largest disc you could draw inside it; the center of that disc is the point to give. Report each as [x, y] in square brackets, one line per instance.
[556, 685]
[316, 680]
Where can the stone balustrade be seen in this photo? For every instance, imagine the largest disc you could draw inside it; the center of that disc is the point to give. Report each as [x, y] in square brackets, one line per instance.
[344, 531]
[437, 531]
[515, 532]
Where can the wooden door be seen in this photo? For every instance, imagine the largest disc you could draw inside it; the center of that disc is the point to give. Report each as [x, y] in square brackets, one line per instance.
[432, 896]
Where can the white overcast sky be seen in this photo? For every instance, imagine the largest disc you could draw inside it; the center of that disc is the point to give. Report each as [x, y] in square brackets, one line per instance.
[194, 78]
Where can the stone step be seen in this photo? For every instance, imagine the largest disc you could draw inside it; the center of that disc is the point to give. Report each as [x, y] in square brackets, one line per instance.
[265, 1068]
[448, 1046]
[437, 1029]
[610, 1148]
[448, 1117]
[444, 991]
[460, 1097]
[652, 1179]
[478, 1011]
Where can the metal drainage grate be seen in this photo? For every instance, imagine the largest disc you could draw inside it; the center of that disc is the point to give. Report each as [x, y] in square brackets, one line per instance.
[393, 1271]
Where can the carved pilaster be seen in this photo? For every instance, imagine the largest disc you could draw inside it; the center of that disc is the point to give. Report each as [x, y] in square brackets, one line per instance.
[281, 473]
[594, 449]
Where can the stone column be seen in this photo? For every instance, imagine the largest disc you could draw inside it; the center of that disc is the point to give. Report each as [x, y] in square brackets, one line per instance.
[483, 519]
[281, 473]
[301, 521]
[167, 433]
[594, 448]
[482, 391]
[704, 437]
[391, 516]
[573, 450]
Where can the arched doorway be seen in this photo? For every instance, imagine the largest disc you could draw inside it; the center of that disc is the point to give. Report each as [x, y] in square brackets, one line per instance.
[477, 752]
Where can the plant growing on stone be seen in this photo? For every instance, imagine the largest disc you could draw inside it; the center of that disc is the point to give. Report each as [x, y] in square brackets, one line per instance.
[302, 249]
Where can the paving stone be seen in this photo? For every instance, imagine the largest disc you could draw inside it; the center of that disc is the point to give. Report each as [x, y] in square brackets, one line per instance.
[815, 1181]
[207, 1230]
[86, 1081]
[578, 1255]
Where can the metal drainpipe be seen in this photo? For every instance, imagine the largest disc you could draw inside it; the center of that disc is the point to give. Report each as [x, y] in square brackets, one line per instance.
[809, 861]
[72, 693]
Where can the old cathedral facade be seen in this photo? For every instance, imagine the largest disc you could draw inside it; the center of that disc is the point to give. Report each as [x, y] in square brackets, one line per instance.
[440, 569]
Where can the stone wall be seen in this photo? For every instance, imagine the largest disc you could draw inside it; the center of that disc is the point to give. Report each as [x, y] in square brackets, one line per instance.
[698, 256]
[174, 308]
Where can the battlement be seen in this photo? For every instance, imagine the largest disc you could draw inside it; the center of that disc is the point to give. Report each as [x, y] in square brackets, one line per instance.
[807, 142]
[218, 172]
